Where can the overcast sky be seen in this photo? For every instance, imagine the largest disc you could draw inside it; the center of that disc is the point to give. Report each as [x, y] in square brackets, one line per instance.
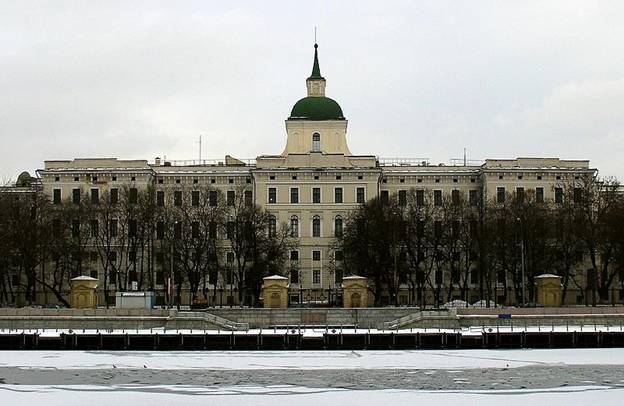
[414, 78]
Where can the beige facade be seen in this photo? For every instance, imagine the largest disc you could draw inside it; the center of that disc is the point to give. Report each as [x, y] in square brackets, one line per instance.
[313, 184]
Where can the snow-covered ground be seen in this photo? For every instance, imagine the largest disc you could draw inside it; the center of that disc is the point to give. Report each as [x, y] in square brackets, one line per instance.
[261, 396]
[467, 377]
[306, 360]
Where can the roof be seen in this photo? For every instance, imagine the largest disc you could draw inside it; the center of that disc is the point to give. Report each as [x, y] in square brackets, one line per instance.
[275, 278]
[84, 278]
[316, 70]
[547, 275]
[317, 109]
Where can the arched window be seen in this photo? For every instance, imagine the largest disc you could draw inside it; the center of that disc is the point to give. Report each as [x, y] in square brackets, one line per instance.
[294, 226]
[338, 226]
[316, 142]
[316, 226]
[272, 226]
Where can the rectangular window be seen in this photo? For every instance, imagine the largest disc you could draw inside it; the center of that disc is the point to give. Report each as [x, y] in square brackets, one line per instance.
[133, 195]
[520, 195]
[539, 195]
[420, 197]
[272, 195]
[473, 198]
[316, 195]
[558, 195]
[338, 195]
[500, 195]
[316, 276]
[56, 196]
[132, 228]
[212, 198]
[385, 198]
[114, 196]
[231, 195]
[437, 229]
[438, 277]
[316, 255]
[94, 225]
[195, 198]
[474, 276]
[95, 196]
[578, 194]
[177, 230]
[177, 198]
[402, 198]
[360, 195]
[294, 195]
[76, 196]
[437, 198]
[112, 226]
[455, 197]
[160, 230]
[338, 275]
[195, 229]
[229, 230]
[75, 228]
[160, 198]
[248, 198]
[338, 255]
[294, 275]
[294, 255]
[212, 230]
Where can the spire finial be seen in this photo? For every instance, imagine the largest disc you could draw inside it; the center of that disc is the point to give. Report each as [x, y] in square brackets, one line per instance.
[316, 70]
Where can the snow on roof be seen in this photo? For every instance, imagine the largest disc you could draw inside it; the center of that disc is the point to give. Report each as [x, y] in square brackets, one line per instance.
[275, 277]
[547, 275]
[83, 278]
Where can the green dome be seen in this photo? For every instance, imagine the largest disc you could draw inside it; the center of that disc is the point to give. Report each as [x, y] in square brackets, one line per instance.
[316, 108]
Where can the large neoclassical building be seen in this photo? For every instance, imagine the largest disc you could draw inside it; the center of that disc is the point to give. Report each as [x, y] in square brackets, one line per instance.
[315, 181]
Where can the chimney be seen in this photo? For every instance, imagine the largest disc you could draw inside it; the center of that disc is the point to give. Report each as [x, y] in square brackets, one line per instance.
[157, 161]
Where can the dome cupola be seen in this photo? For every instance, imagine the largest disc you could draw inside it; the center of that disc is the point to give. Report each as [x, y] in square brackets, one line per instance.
[316, 106]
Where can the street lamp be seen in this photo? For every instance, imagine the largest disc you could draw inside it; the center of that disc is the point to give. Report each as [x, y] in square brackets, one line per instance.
[522, 260]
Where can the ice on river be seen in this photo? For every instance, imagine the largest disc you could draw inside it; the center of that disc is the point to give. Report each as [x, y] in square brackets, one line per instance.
[261, 396]
[310, 360]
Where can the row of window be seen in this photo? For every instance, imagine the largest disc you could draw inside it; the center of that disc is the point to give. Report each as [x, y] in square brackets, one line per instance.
[473, 197]
[317, 226]
[160, 197]
[213, 197]
[360, 195]
[501, 194]
[76, 196]
[112, 230]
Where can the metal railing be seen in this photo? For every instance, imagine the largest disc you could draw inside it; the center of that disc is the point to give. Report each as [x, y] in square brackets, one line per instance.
[403, 161]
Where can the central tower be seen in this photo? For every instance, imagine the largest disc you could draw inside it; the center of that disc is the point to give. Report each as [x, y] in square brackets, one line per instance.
[316, 123]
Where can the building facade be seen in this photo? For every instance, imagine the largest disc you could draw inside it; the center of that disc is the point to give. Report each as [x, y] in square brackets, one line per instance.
[311, 186]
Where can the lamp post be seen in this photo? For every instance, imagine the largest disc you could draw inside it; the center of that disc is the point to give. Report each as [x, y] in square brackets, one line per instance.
[522, 261]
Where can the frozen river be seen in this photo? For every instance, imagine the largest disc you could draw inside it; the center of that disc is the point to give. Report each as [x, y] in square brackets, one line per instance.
[484, 377]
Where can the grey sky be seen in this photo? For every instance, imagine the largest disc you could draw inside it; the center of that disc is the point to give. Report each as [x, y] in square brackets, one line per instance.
[414, 78]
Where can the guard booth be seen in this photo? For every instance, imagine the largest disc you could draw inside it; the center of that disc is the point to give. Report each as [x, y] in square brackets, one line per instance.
[275, 292]
[549, 290]
[84, 292]
[355, 291]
